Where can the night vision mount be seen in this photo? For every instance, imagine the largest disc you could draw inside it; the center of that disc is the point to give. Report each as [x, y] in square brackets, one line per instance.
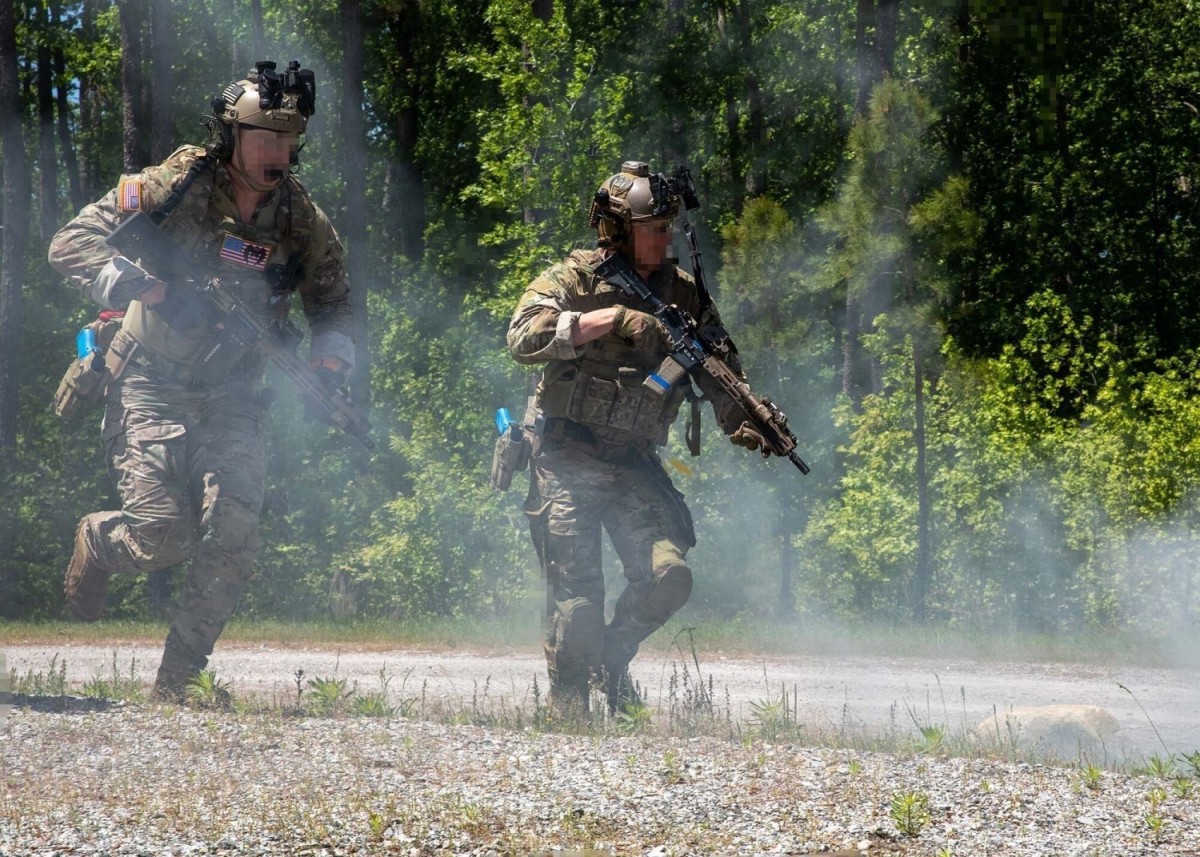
[678, 186]
[272, 86]
[664, 192]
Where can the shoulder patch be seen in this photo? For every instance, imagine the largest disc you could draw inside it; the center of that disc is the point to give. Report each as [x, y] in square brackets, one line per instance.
[129, 194]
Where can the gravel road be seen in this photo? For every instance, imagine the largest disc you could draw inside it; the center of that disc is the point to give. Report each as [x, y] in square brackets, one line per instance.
[861, 695]
[103, 778]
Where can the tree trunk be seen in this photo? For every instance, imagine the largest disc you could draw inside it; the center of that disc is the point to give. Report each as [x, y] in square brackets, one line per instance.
[864, 65]
[856, 373]
[887, 19]
[162, 53]
[737, 172]
[134, 137]
[66, 143]
[675, 147]
[924, 571]
[407, 185]
[756, 137]
[863, 77]
[88, 134]
[47, 158]
[786, 608]
[354, 160]
[258, 41]
[16, 203]
[15, 206]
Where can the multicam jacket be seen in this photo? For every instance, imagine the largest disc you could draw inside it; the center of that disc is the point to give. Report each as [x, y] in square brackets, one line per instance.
[287, 227]
[599, 384]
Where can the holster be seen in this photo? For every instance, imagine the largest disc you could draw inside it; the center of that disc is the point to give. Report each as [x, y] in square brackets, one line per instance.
[87, 377]
[82, 384]
[510, 456]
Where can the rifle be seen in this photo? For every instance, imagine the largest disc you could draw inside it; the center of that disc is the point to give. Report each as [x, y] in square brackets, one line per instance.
[700, 354]
[141, 239]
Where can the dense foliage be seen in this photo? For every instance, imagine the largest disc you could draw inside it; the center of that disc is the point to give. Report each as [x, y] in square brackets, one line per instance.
[957, 241]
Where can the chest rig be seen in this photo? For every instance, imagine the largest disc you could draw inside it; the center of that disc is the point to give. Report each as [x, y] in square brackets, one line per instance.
[603, 388]
[181, 339]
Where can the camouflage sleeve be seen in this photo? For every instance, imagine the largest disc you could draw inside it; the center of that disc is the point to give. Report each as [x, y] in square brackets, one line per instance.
[325, 292]
[542, 325]
[78, 251]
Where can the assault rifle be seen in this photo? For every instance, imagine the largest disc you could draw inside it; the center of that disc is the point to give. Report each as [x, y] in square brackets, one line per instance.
[700, 354]
[241, 328]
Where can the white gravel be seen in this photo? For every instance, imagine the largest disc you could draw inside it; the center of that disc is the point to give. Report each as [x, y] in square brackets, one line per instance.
[153, 780]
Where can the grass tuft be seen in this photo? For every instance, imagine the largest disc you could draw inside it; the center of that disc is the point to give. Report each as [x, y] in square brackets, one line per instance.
[909, 811]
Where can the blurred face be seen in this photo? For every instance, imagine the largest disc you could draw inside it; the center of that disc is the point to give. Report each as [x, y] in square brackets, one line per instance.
[264, 155]
[648, 242]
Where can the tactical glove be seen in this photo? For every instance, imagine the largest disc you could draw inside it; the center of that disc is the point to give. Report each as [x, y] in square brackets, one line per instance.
[746, 436]
[120, 281]
[642, 330]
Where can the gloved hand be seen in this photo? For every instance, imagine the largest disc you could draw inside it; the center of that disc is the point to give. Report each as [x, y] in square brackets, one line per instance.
[122, 280]
[331, 380]
[641, 329]
[745, 435]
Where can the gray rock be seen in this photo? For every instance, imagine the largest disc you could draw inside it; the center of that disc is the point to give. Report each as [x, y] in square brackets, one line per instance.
[1064, 731]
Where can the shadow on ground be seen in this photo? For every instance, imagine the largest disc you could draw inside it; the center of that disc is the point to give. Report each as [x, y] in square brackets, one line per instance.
[60, 704]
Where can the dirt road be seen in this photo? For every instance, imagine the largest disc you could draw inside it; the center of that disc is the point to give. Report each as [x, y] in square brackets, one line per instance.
[863, 695]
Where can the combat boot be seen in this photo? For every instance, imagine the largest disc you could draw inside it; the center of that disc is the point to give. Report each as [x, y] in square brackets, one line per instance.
[86, 584]
[171, 688]
[620, 690]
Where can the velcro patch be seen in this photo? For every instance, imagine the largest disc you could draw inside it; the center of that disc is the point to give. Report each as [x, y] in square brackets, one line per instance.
[239, 251]
[129, 194]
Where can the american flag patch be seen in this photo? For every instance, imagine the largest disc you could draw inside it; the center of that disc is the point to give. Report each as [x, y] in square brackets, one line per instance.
[129, 194]
[242, 252]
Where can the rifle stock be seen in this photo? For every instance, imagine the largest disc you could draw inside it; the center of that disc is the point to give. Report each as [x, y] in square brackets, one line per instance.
[700, 357]
[141, 239]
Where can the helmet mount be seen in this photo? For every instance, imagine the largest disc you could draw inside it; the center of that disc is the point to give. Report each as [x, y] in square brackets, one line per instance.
[636, 195]
[268, 99]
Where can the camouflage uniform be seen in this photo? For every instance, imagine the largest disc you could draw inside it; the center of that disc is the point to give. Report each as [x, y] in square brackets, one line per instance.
[186, 449]
[596, 465]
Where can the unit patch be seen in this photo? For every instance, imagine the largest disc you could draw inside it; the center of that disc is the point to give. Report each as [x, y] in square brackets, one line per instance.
[620, 184]
[242, 252]
[129, 194]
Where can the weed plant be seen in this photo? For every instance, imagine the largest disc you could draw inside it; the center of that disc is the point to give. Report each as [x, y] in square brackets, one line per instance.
[207, 690]
[1092, 776]
[52, 682]
[117, 685]
[1193, 760]
[909, 811]
[1160, 767]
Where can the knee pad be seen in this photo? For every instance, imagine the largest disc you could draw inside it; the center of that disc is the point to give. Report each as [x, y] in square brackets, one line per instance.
[160, 542]
[575, 642]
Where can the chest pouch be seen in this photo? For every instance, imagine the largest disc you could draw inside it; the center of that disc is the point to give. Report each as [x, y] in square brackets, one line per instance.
[622, 403]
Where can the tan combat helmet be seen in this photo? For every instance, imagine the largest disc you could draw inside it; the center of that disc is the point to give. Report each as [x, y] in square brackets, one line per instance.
[265, 99]
[633, 195]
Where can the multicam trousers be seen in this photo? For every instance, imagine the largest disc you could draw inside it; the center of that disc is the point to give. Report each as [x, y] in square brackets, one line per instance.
[190, 464]
[572, 496]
